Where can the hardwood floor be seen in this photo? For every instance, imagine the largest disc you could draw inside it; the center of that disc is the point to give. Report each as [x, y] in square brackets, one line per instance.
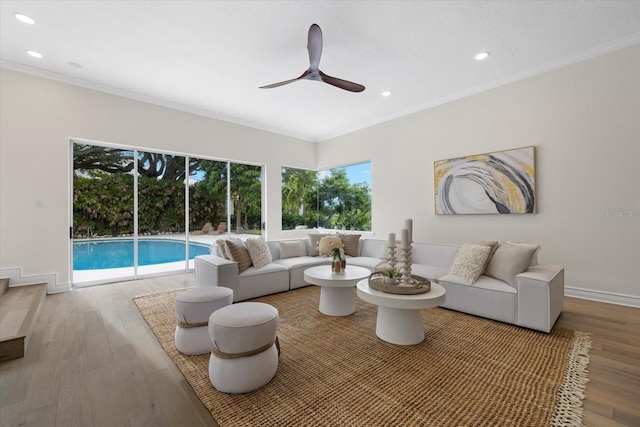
[94, 362]
[613, 391]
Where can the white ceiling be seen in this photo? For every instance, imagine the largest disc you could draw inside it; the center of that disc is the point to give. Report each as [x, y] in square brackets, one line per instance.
[210, 57]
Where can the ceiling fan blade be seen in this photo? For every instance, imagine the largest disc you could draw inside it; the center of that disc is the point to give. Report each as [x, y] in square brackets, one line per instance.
[286, 82]
[342, 84]
[314, 46]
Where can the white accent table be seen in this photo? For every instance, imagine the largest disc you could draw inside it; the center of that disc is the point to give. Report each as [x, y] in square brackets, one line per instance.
[399, 318]
[336, 290]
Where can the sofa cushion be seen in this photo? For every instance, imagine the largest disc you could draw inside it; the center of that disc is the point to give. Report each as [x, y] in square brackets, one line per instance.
[428, 271]
[313, 243]
[470, 261]
[269, 268]
[364, 261]
[509, 260]
[351, 243]
[258, 251]
[302, 261]
[239, 253]
[290, 249]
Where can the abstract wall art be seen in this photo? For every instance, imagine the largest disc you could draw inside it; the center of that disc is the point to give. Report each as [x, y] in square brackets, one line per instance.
[502, 182]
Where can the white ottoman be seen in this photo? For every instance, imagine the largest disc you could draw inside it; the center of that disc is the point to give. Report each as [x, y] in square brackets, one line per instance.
[244, 356]
[193, 308]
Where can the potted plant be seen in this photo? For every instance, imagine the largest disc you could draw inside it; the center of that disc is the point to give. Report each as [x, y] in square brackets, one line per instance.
[389, 276]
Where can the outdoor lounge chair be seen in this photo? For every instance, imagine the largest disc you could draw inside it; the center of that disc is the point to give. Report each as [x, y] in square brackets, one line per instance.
[222, 227]
[205, 230]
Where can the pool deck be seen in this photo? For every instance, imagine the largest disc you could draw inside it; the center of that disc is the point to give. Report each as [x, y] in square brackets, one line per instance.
[107, 275]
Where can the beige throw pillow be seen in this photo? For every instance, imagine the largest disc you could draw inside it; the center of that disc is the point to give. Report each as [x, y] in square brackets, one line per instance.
[290, 249]
[470, 262]
[534, 258]
[222, 244]
[258, 251]
[239, 253]
[508, 261]
[351, 243]
[313, 243]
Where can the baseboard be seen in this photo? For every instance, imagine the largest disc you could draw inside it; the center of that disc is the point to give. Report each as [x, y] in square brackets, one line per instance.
[16, 278]
[602, 296]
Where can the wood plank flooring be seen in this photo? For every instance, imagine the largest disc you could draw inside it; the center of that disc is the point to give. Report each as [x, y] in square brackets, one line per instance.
[613, 392]
[94, 362]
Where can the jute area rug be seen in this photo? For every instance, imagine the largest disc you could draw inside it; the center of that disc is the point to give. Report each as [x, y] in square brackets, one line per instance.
[334, 371]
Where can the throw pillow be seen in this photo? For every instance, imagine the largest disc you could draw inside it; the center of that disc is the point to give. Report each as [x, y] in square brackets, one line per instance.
[328, 243]
[351, 243]
[313, 243]
[470, 261]
[534, 258]
[222, 244]
[238, 251]
[493, 245]
[258, 251]
[508, 261]
[290, 249]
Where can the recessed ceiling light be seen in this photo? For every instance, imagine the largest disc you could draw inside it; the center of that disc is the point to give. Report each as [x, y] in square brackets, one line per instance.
[481, 56]
[386, 93]
[34, 53]
[24, 18]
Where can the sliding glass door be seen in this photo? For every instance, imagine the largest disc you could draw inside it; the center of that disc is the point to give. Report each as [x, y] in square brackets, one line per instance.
[141, 213]
[103, 213]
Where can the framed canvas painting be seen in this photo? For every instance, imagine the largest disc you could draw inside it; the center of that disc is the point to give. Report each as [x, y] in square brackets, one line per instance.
[502, 182]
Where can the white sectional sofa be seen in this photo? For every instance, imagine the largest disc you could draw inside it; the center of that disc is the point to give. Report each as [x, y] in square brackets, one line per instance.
[534, 301]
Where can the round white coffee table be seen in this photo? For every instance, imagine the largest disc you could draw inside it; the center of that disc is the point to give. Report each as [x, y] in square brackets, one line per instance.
[336, 290]
[399, 318]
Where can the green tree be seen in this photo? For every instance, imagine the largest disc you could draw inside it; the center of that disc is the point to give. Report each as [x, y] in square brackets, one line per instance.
[246, 194]
[295, 185]
[331, 202]
[94, 159]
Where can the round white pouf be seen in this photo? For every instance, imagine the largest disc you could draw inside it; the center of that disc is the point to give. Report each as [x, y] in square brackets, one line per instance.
[237, 331]
[193, 308]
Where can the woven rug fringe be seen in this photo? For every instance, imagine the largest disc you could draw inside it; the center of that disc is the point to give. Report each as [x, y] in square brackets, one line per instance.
[569, 410]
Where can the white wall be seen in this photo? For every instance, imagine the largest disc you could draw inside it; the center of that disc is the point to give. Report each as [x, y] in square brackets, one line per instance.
[37, 118]
[584, 121]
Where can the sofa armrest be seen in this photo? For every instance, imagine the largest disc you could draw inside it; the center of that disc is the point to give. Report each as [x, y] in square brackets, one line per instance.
[540, 296]
[212, 270]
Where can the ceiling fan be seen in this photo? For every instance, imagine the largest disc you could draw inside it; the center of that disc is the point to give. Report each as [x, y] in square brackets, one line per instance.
[314, 46]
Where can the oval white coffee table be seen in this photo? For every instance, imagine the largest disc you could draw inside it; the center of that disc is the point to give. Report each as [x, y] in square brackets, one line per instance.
[399, 318]
[336, 290]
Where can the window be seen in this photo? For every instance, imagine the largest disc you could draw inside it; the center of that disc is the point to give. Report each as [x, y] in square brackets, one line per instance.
[338, 198]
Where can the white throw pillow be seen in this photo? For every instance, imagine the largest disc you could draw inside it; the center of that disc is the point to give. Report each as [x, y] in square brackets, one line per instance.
[290, 249]
[258, 251]
[470, 262]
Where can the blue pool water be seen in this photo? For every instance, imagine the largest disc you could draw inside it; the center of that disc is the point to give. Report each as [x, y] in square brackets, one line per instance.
[98, 254]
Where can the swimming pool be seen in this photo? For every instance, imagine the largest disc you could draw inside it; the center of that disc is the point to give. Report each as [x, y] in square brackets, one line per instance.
[117, 253]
